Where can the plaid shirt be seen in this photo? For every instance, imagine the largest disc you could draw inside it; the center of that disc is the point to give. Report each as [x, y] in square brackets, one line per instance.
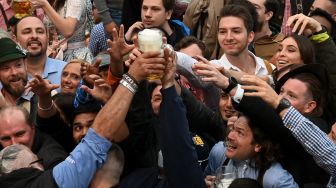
[315, 142]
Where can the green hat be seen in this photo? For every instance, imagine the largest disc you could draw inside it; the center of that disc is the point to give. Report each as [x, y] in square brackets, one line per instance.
[10, 50]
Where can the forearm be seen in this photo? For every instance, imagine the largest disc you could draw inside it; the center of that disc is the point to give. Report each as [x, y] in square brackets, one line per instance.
[313, 140]
[117, 107]
[180, 157]
[78, 169]
[46, 107]
[61, 22]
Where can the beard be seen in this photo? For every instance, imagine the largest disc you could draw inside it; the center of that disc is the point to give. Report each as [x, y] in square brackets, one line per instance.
[17, 89]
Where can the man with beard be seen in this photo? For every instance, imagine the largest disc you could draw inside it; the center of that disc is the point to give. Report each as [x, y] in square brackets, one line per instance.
[13, 76]
[266, 38]
[32, 35]
[235, 32]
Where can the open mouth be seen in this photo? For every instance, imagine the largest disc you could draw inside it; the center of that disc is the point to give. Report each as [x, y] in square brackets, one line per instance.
[282, 62]
[230, 146]
[34, 43]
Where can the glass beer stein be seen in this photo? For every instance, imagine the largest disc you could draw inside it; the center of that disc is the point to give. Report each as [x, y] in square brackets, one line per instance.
[21, 8]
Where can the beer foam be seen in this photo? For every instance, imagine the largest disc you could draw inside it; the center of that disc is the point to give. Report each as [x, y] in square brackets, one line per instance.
[150, 34]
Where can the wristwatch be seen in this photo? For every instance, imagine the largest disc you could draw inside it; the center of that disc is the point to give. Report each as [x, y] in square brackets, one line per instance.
[232, 84]
[284, 103]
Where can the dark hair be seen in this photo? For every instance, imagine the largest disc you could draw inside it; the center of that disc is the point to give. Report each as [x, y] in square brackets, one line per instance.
[315, 89]
[270, 151]
[188, 41]
[245, 183]
[235, 9]
[272, 5]
[167, 4]
[88, 107]
[57, 4]
[64, 103]
[327, 16]
[306, 48]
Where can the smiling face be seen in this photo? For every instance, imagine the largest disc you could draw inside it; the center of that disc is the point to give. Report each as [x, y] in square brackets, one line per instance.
[225, 107]
[13, 76]
[288, 53]
[233, 36]
[297, 93]
[31, 34]
[239, 141]
[70, 78]
[154, 14]
[14, 129]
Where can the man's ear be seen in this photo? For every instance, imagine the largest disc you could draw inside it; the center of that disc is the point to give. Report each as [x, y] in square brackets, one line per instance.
[310, 106]
[169, 14]
[250, 37]
[257, 148]
[269, 15]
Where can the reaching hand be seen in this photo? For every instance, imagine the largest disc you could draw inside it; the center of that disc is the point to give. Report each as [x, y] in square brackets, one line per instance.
[259, 88]
[304, 24]
[146, 64]
[210, 181]
[88, 69]
[118, 46]
[101, 91]
[134, 28]
[40, 86]
[170, 71]
[210, 73]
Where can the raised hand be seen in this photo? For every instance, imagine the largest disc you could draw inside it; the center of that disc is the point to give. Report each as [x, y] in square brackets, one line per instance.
[101, 91]
[170, 70]
[146, 64]
[88, 69]
[117, 46]
[41, 87]
[210, 73]
[134, 28]
[303, 24]
[259, 88]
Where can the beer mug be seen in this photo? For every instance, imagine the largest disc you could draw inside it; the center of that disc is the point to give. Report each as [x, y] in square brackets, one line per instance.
[151, 40]
[21, 8]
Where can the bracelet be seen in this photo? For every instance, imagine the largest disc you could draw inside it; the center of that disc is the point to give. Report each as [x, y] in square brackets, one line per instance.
[128, 86]
[46, 109]
[130, 80]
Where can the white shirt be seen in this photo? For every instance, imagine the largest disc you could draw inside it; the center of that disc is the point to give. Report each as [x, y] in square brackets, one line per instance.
[260, 70]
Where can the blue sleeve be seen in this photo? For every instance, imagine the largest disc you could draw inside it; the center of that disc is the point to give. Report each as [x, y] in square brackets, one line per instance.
[179, 155]
[216, 159]
[80, 166]
[277, 177]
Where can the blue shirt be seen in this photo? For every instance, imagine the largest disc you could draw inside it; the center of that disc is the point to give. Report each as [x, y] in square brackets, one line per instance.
[274, 177]
[98, 39]
[78, 169]
[52, 71]
[315, 141]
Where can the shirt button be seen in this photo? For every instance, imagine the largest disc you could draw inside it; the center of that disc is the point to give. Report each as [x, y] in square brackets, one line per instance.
[289, 126]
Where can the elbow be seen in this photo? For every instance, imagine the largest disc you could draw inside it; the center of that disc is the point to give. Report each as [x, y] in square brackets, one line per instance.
[68, 34]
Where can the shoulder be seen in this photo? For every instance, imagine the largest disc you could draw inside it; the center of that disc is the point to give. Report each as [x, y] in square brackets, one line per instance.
[276, 176]
[216, 158]
[56, 63]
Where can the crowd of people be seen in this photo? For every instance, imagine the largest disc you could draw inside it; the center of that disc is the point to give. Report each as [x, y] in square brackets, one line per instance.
[248, 85]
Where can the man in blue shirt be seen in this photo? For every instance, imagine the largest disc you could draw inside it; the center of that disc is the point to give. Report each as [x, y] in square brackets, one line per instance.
[32, 35]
